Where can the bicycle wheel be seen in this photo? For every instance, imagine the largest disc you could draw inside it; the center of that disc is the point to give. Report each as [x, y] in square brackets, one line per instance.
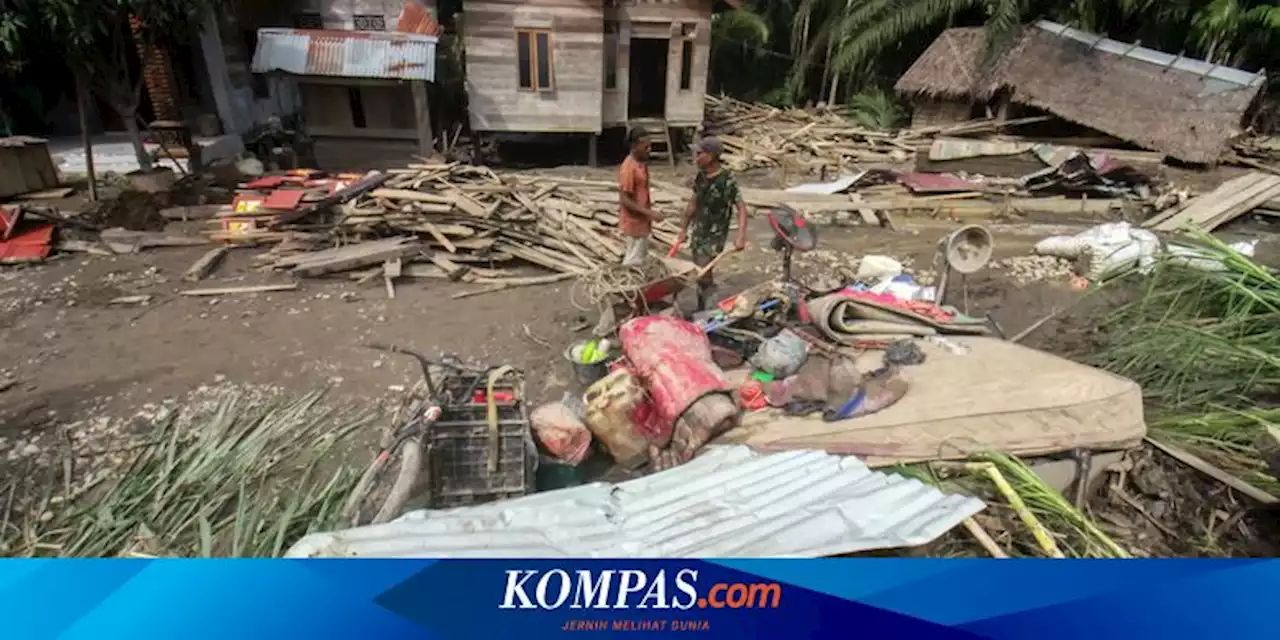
[410, 466]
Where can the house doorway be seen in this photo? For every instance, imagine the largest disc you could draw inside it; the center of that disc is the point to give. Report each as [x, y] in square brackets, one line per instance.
[647, 91]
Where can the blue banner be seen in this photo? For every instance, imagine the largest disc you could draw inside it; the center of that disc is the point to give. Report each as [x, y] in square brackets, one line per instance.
[740, 599]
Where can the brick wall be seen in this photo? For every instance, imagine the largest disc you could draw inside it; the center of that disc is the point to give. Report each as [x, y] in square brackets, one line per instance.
[158, 76]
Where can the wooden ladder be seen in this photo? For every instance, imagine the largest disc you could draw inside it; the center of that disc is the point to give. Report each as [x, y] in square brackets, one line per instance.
[659, 138]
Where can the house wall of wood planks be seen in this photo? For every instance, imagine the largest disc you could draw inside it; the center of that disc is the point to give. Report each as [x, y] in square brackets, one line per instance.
[579, 31]
[680, 21]
[573, 101]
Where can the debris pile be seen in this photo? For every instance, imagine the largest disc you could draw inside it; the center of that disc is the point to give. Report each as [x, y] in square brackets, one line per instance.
[758, 135]
[458, 222]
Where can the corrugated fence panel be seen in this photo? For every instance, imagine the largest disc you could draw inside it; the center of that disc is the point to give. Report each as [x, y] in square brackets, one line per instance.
[728, 502]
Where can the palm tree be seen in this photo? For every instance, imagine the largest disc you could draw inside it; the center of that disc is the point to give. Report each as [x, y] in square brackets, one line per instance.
[1227, 31]
[840, 47]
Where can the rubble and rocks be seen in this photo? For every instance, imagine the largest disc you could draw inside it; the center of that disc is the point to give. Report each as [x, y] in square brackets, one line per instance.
[1030, 269]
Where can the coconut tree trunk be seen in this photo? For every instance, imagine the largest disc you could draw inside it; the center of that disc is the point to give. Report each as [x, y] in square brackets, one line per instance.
[82, 106]
[826, 64]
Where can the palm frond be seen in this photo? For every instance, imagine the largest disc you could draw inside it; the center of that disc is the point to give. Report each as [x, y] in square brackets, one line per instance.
[886, 28]
[743, 26]
[876, 109]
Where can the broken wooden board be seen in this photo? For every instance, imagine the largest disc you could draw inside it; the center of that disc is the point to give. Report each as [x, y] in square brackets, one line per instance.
[391, 269]
[223, 291]
[201, 268]
[149, 239]
[351, 256]
[142, 299]
[511, 283]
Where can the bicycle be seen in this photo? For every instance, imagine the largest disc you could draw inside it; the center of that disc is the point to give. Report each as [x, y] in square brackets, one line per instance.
[407, 443]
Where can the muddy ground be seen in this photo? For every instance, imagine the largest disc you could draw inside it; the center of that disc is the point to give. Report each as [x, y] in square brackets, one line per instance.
[77, 360]
[70, 351]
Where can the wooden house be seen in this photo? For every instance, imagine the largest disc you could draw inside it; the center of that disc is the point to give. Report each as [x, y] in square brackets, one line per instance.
[531, 67]
[1187, 109]
[582, 66]
[361, 69]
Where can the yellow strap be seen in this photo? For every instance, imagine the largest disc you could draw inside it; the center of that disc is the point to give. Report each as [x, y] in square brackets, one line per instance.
[494, 439]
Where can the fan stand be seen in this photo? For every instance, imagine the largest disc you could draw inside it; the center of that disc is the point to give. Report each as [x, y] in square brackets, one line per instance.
[945, 277]
[787, 250]
[975, 237]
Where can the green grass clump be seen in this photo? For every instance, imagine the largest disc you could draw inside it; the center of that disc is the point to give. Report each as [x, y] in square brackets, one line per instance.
[1205, 346]
[238, 480]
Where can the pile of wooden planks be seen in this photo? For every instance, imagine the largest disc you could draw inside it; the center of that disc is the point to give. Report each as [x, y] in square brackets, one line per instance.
[1253, 191]
[458, 222]
[810, 140]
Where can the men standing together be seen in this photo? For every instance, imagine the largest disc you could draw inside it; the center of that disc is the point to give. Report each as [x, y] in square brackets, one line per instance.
[705, 222]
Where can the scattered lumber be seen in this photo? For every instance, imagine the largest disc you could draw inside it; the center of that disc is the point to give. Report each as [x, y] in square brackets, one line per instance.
[758, 135]
[1229, 201]
[459, 220]
[351, 257]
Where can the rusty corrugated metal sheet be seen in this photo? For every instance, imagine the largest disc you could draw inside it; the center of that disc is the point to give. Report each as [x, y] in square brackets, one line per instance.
[346, 54]
[727, 502]
[416, 18]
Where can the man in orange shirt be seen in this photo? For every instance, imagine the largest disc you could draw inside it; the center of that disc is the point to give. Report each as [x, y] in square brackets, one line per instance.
[636, 218]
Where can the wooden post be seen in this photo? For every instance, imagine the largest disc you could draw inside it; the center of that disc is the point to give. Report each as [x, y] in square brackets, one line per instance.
[1002, 110]
[422, 111]
[82, 106]
[592, 143]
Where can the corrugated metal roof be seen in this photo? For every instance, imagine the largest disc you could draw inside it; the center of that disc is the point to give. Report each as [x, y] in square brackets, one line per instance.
[1217, 77]
[346, 54]
[727, 502]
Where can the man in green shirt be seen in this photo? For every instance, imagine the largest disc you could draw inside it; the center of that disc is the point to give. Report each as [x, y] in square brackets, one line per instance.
[715, 197]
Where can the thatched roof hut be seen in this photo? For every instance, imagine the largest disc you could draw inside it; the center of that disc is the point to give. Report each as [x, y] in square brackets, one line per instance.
[1188, 109]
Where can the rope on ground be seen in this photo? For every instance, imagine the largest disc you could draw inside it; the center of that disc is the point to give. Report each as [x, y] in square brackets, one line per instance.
[602, 286]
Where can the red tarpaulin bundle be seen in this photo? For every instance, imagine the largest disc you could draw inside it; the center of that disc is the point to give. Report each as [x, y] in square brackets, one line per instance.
[673, 360]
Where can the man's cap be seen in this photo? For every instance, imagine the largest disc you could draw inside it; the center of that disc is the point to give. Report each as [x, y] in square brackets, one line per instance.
[709, 144]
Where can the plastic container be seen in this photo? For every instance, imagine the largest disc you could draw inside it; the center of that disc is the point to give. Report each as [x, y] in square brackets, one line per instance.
[459, 446]
[587, 373]
[611, 404]
[553, 474]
